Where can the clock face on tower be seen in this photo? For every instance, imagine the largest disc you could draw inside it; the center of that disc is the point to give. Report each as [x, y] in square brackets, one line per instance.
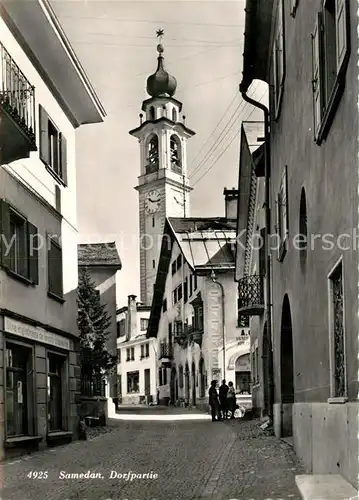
[152, 201]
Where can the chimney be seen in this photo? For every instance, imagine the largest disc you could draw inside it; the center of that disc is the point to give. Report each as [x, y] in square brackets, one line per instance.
[131, 317]
[231, 203]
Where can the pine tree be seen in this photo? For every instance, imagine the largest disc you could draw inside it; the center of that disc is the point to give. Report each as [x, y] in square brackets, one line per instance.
[93, 324]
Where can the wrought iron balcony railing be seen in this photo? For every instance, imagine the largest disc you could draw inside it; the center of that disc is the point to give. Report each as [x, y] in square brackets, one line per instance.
[166, 350]
[250, 296]
[17, 96]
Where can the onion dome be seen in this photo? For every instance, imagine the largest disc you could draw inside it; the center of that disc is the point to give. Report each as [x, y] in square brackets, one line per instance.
[161, 83]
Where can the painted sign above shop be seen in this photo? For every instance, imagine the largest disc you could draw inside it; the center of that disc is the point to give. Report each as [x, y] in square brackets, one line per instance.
[35, 333]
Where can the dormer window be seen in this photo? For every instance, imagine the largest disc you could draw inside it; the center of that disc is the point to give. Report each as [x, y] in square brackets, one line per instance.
[153, 156]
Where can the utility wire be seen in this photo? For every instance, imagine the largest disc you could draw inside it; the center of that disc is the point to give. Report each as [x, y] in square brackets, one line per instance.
[117, 19]
[218, 42]
[222, 153]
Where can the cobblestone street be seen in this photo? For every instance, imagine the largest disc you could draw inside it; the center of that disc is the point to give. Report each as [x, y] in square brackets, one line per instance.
[193, 460]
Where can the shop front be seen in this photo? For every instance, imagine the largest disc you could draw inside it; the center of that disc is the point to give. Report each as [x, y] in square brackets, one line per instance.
[38, 385]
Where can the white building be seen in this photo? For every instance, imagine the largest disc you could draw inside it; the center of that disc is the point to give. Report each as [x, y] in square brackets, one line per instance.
[136, 354]
[44, 96]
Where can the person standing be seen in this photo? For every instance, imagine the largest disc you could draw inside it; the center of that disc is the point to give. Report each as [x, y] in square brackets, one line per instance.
[231, 399]
[223, 390]
[213, 401]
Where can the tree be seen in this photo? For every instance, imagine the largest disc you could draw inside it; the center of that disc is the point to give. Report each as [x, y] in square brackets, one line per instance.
[93, 323]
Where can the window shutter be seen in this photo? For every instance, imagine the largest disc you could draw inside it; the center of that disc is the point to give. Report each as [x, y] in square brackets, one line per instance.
[342, 33]
[279, 59]
[317, 77]
[33, 253]
[63, 157]
[55, 284]
[284, 209]
[44, 135]
[5, 233]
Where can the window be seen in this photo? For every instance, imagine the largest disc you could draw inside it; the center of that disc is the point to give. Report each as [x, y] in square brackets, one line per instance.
[160, 381]
[174, 296]
[55, 281]
[330, 53]
[164, 307]
[174, 115]
[142, 352]
[170, 333]
[152, 113]
[174, 268]
[175, 152]
[338, 361]
[179, 292]
[185, 290]
[118, 356]
[133, 382]
[278, 60]
[198, 315]
[178, 328]
[143, 324]
[55, 366]
[53, 148]
[19, 244]
[147, 350]
[128, 354]
[132, 354]
[282, 222]
[153, 263]
[17, 366]
[121, 327]
[164, 376]
[303, 229]
[153, 222]
[152, 155]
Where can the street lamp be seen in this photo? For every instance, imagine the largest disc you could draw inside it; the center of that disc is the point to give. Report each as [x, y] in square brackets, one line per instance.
[214, 279]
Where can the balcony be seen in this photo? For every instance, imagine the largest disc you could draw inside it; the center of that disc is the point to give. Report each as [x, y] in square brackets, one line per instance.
[17, 111]
[250, 296]
[166, 352]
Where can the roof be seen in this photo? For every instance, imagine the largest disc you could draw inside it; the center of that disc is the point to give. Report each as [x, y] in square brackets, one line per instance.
[163, 119]
[98, 255]
[256, 41]
[38, 31]
[205, 242]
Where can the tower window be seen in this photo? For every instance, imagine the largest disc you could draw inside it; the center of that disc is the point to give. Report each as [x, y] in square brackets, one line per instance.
[152, 155]
[153, 263]
[152, 113]
[153, 222]
[175, 147]
[174, 115]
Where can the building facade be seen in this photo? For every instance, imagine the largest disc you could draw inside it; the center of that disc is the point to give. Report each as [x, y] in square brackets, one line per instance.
[103, 262]
[41, 105]
[136, 355]
[194, 311]
[163, 183]
[306, 53]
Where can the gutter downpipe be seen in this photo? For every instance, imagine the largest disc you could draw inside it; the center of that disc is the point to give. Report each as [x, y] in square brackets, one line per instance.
[267, 170]
[214, 279]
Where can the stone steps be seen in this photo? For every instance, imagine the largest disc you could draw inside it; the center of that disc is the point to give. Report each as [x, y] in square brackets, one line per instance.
[325, 487]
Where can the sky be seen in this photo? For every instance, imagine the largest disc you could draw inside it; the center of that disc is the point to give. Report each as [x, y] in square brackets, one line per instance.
[116, 43]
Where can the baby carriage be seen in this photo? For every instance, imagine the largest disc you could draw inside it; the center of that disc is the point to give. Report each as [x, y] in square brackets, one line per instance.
[238, 412]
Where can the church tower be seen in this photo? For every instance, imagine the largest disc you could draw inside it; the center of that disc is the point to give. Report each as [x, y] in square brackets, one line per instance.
[163, 183]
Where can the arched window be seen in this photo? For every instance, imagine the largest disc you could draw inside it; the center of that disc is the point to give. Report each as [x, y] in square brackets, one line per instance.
[175, 148]
[303, 229]
[152, 154]
[152, 113]
[174, 115]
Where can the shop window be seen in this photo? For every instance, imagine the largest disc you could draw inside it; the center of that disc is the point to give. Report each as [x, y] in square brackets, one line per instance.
[55, 370]
[17, 369]
[133, 382]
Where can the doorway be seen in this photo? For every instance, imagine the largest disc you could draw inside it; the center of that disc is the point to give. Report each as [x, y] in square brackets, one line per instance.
[286, 369]
[147, 382]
